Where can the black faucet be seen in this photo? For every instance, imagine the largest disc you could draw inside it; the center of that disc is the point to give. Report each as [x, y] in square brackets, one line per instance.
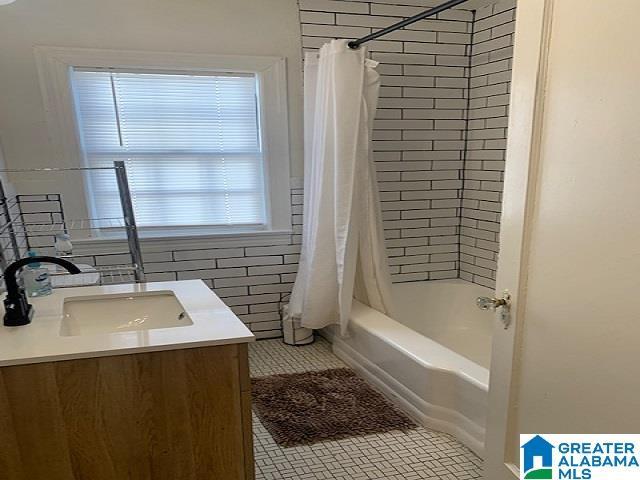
[18, 310]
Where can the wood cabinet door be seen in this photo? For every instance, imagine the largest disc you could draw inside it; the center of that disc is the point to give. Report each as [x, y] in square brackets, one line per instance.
[170, 415]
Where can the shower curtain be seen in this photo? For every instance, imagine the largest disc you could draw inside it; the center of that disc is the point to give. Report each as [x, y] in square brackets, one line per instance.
[343, 254]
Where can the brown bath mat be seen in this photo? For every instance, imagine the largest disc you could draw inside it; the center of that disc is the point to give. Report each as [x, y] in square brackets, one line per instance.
[304, 408]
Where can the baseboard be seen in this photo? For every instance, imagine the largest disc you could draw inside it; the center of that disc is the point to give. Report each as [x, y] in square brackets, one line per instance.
[328, 333]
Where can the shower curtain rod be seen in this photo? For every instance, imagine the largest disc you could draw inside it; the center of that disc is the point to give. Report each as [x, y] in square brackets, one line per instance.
[407, 21]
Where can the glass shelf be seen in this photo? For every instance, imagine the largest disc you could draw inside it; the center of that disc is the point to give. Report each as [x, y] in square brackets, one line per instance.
[31, 222]
[51, 228]
[104, 275]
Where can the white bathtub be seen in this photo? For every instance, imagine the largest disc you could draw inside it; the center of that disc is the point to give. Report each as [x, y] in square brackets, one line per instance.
[432, 359]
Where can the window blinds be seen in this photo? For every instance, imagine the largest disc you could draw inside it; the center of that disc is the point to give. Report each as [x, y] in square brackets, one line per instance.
[191, 144]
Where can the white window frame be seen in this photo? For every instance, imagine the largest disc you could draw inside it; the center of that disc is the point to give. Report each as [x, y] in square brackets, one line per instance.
[56, 63]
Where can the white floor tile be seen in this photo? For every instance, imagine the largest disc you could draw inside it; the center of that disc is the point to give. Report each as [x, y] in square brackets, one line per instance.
[419, 454]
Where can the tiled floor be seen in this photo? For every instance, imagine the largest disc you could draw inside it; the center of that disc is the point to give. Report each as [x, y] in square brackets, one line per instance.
[420, 454]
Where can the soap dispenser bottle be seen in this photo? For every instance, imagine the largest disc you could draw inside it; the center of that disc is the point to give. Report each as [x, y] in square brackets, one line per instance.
[63, 245]
[35, 278]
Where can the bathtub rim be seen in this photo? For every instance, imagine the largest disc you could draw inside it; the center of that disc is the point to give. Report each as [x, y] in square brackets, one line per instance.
[400, 335]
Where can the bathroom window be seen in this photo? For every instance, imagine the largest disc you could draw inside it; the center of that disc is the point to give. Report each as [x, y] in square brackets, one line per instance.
[204, 137]
[191, 144]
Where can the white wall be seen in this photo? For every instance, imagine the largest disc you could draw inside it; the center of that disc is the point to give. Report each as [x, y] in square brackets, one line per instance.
[570, 240]
[579, 371]
[245, 27]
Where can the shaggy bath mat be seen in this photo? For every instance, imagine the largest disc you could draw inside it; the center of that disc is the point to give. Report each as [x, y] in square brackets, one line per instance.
[305, 408]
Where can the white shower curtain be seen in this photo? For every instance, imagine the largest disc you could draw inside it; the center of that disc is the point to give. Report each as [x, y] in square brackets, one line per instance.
[343, 252]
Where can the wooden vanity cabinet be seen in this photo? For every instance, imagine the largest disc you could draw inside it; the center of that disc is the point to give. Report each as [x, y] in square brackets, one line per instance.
[169, 415]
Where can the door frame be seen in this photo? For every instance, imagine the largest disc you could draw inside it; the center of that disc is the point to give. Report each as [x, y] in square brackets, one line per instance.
[526, 125]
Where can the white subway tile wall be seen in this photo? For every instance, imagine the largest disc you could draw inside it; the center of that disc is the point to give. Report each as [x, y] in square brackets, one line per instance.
[252, 280]
[440, 130]
[419, 131]
[253, 277]
[490, 81]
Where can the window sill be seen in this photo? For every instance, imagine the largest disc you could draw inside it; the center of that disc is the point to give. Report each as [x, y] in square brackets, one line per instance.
[157, 242]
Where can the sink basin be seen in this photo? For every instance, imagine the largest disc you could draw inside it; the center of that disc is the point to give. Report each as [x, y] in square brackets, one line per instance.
[132, 312]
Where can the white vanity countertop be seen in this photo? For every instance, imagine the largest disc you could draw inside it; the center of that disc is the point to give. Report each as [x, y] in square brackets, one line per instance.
[41, 341]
